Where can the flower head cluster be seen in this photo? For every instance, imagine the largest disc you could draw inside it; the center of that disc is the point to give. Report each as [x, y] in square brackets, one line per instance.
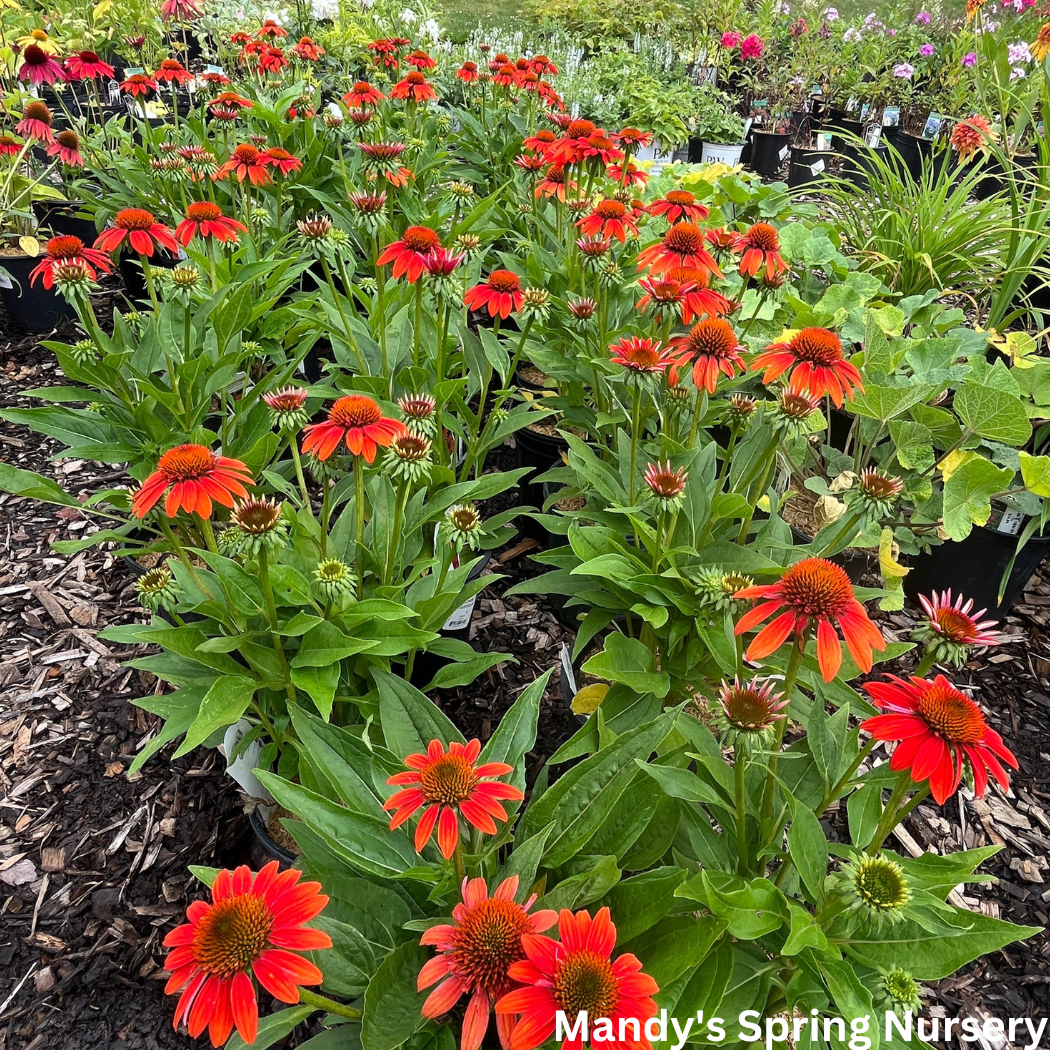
[952, 629]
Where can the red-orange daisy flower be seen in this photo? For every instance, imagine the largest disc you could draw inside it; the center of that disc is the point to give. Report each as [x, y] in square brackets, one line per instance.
[205, 219]
[36, 122]
[246, 162]
[63, 249]
[812, 591]
[722, 239]
[761, 251]
[307, 50]
[272, 60]
[540, 142]
[713, 347]
[282, 160]
[171, 71]
[609, 218]
[599, 145]
[140, 229]
[678, 205]
[468, 72]
[643, 355]
[38, 67]
[409, 254]
[271, 30]
[138, 84]
[576, 975]
[937, 728]
[682, 245]
[357, 420]
[446, 784]
[501, 293]
[816, 359]
[972, 134]
[700, 300]
[475, 951]
[67, 148]
[86, 65]
[413, 87]
[627, 175]
[192, 476]
[362, 95]
[554, 183]
[955, 623]
[254, 924]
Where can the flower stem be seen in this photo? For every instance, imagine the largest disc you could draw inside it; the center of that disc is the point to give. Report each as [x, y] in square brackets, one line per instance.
[271, 617]
[894, 812]
[798, 648]
[928, 659]
[359, 534]
[322, 1002]
[740, 782]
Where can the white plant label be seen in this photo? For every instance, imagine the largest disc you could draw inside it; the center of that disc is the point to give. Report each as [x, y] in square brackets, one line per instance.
[461, 617]
[242, 768]
[818, 167]
[784, 152]
[1011, 522]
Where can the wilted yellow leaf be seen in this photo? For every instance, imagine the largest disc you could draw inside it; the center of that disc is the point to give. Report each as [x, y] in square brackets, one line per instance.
[888, 551]
[30, 245]
[587, 700]
[953, 461]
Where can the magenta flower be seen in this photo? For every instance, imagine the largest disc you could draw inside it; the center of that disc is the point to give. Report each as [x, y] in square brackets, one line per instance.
[922, 18]
[969, 59]
[752, 46]
[730, 39]
[926, 50]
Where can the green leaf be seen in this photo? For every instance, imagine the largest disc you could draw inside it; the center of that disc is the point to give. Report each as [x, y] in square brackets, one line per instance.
[516, 733]
[1035, 473]
[864, 808]
[461, 673]
[223, 704]
[580, 801]
[631, 662]
[992, 413]
[751, 907]
[325, 645]
[273, 1029]
[34, 486]
[968, 495]
[577, 891]
[680, 783]
[704, 990]
[409, 720]
[392, 1004]
[808, 846]
[525, 860]
[639, 902]
[206, 875]
[885, 402]
[320, 684]
[675, 945]
[805, 932]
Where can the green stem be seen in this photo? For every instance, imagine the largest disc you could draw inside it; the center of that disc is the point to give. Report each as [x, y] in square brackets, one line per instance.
[326, 511]
[892, 814]
[303, 490]
[322, 1002]
[180, 551]
[740, 783]
[347, 333]
[209, 535]
[833, 792]
[399, 513]
[359, 532]
[798, 648]
[929, 658]
[636, 426]
[271, 619]
[417, 331]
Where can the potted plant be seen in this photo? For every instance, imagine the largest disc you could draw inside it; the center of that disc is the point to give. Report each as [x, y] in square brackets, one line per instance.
[718, 131]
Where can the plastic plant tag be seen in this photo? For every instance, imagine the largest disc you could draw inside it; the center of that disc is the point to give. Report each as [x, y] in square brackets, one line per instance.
[242, 768]
[5, 281]
[461, 617]
[818, 167]
[566, 669]
[783, 153]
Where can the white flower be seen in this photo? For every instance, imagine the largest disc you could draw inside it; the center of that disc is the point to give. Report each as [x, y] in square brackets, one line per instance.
[408, 16]
[905, 71]
[1019, 54]
[830, 14]
[1018, 73]
[431, 30]
[323, 10]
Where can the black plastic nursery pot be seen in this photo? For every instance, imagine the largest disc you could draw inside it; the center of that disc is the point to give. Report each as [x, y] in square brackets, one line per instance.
[914, 152]
[859, 162]
[855, 562]
[130, 268]
[974, 568]
[808, 165]
[32, 308]
[769, 150]
[842, 127]
[61, 217]
[265, 848]
[539, 451]
[994, 179]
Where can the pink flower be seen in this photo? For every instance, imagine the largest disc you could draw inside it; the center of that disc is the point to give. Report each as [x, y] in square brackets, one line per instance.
[969, 59]
[730, 39]
[752, 46]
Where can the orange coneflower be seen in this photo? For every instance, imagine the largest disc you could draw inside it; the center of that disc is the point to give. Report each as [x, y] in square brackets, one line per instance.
[307, 51]
[554, 183]
[952, 628]
[413, 87]
[1041, 45]
[138, 84]
[420, 60]
[468, 72]
[972, 134]
[937, 729]
[9, 145]
[446, 785]
[714, 348]
[192, 476]
[666, 483]
[609, 218]
[815, 358]
[381, 158]
[683, 246]
[171, 71]
[643, 356]
[246, 162]
[760, 245]
[500, 293]
[700, 300]
[253, 925]
[356, 420]
[631, 175]
[475, 951]
[576, 975]
[205, 219]
[282, 160]
[678, 205]
[36, 122]
[812, 592]
[140, 229]
[272, 60]
[409, 253]
[86, 65]
[67, 148]
[362, 95]
[63, 249]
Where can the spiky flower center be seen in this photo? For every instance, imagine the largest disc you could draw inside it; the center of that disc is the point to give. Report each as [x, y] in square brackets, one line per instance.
[955, 625]
[666, 292]
[415, 77]
[665, 481]
[580, 129]
[901, 986]
[37, 111]
[463, 518]
[34, 55]
[355, 410]
[420, 239]
[203, 211]
[643, 356]
[817, 587]
[448, 780]
[134, 219]
[732, 582]
[245, 154]
[684, 238]
[257, 516]
[797, 405]
[171, 65]
[331, 570]
[585, 981]
[184, 276]
[950, 714]
[418, 406]
[410, 448]
[64, 247]
[382, 150]
[582, 309]
[288, 399]
[610, 209]
[232, 935]
[880, 486]
[316, 228]
[487, 941]
[713, 337]
[187, 462]
[154, 581]
[741, 405]
[504, 281]
[880, 884]
[817, 345]
[749, 708]
[68, 139]
[682, 198]
[763, 237]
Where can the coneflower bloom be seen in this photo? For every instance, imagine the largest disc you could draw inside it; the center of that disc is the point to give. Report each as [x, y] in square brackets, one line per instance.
[10, 146]
[63, 249]
[794, 406]
[381, 158]
[815, 358]
[505, 76]
[554, 183]
[713, 347]
[643, 356]
[282, 160]
[631, 138]
[231, 100]
[138, 84]
[413, 87]
[356, 420]
[205, 219]
[760, 246]
[409, 253]
[362, 95]
[666, 483]
[609, 218]
[67, 148]
[972, 134]
[682, 246]
[140, 229]
[723, 240]
[253, 925]
[171, 71]
[385, 52]
[500, 293]
[951, 629]
[271, 30]
[530, 162]
[475, 951]
[442, 262]
[272, 60]
[420, 60]
[598, 145]
[468, 72]
[446, 785]
[543, 65]
[938, 728]
[240, 38]
[627, 175]
[1040, 47]
[307, 51]
[38, 67]
[86, 65]
[812, 592]
[576, 975]
[288, 405]
[246, 162]
[749, 711]
[700, 300]
[36, 122]
[180, 10]
[677, 206]
[192, 476]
